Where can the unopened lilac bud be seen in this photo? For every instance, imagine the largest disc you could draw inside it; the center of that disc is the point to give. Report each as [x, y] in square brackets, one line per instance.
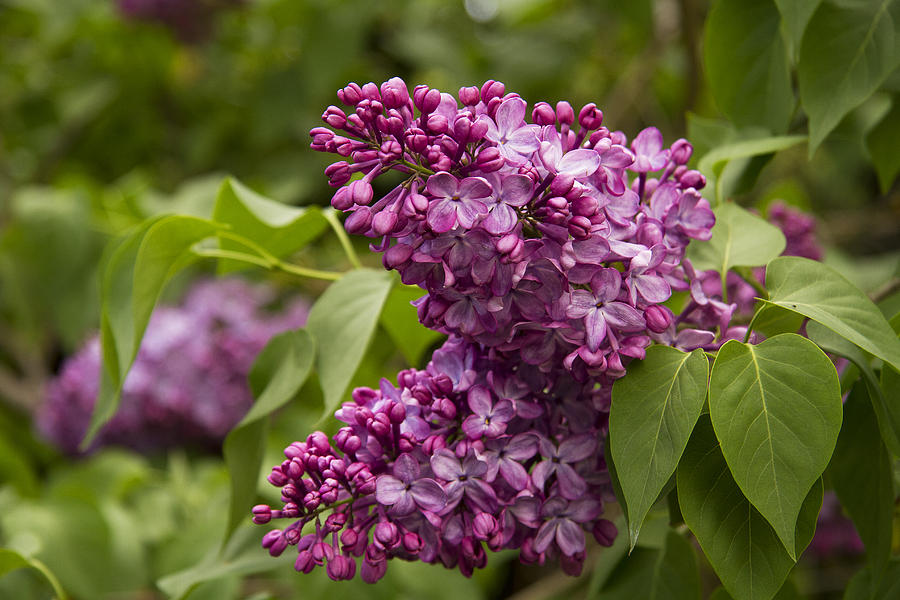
[484, 526]
[694, 179]
[352, 445]
[425, 99]
[565, 114]
[350, 95]
[584, 206]
[370, 92]
[572, 565]
[304, 562]
[681, 151]
[384, 222]
[489, 159]
[321, 552]
[397, 412]
[543, 114]
[478, 130]
[438, 123]
[507, 243]
[361, 191]
[342, 199]
[433, 443]
[341, 568]
[335, 522]
[277, 477]
[443, 383]
[445, 408]
[492, 89]
[338, 173]
[335, 117]
[397, 255]
[359, 220]
[319, 441]
[650, 233]
[311, 500]
[605, 532]
[618, 138]
[590, 117]
[412, 543]
[561, 184]
[274, 542]
[349, 538]
[394, 93]
[580, 227]
[262, 514]
[461, 128]
[372, 571]
[390, 150]
[558, 203]
[295, 468]
[387, 534]
[468, 95]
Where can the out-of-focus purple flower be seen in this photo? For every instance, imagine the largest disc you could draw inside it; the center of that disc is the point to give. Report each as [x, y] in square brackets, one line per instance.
[190, 20]
[187, 386]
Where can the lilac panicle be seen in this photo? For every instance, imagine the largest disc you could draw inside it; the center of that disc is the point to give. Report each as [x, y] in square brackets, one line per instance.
[545, 249]
[187, 386]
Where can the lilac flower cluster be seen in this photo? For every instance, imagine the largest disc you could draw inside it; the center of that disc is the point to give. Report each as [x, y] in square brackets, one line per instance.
[187, 386]
[546, 249]
[706, 309]
[530, 238]
[190, 20]
[474, 450]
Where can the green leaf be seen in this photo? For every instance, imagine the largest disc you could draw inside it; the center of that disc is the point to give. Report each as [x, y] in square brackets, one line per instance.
[343, 321]
[820, 293]
[747, 64]
[675, 575]
[882, 145]
[138, 268]
[772, 320]
[795, 15]
[888, 413]
[739, 239]
[776, 409]
[654, 409]
[10, 560]
[713, 163]
[400, 319]
[742, 547]
[863, 478]
[864, 587]
[848, 50]
[243, 555]
[277, 375]
[277, 228]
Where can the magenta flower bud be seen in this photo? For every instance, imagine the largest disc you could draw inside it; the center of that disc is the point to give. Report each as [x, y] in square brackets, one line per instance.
[304, 562]
[349, 538]
[561, 184]
[557, 203]
[367, 486]
[462, 126]
[311, 500]
[565, 114]
[318, 441]
[384, 222]
[262, 514]
[484, 526]
[361, 191]
[370, 92]
[355, 469]
[390, 150]
[295, 450]
[335, 522]
[321, 551]
[543, 114]
[396, 255]
[394, 93]
[419, 203]
[342, 199]
[492, 89]
[350, 95]
[442, 163]
[438, 123]
[397, 412]
[277, 477]
[618, 138]
[584, 206]
[412, 543]
[425, 99]
[489, 159]
[572, 565]
[405, 445]
[359, 221]
[274, 542]
[341, 568]
[433, 443]
[694, 179]
[681, 151]
[364, 414]
[443, 383]
[387, 534]
[445, 408]
[650, 233]
[335, 117]
[292, 536]
[338, 173]
[580, 227]
[295, 468]
[290, 493]
[380, 426]
[605, 532]
[352, 445]
[468, 95]
[478, 130]
[372, 571]
[590, 117]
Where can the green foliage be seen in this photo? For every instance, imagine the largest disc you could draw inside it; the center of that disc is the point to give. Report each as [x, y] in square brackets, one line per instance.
[739, 542]
[849, 49]
[776, 409]
[342, 321]
[814, 290]
[10, 560]
[652, 414]
[882, 145]
[747, 64]
[739, 239]
[401, 322]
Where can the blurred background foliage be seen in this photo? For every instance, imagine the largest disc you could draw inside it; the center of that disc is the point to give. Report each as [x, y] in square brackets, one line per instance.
[107, 118]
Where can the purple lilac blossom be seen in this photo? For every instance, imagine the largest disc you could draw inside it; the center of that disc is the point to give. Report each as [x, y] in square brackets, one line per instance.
[187, 386]
[544, 259]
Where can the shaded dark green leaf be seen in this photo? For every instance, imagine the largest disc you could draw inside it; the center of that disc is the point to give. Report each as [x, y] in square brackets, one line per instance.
[739, 239]
[882, 145]
[400, 319]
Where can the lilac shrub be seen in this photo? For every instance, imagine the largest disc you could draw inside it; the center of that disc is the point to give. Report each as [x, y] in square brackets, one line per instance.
[546, 249]
[188, 385]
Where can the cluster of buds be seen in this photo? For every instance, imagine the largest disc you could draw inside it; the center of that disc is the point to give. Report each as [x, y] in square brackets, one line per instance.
[188, 385]
[473, 451]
